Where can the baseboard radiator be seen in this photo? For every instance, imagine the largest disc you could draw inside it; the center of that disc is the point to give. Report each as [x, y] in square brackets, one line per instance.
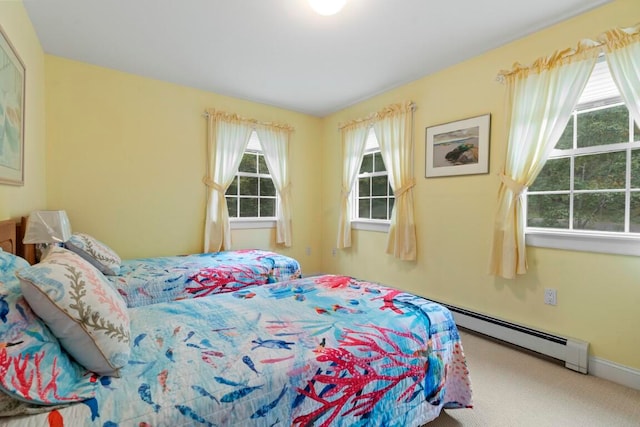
[574, 353]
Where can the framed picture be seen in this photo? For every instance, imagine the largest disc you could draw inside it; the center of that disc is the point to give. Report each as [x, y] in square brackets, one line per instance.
[458, 148]
[12, 87]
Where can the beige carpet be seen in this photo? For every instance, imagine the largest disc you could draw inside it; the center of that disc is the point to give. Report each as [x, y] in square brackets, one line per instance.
[514, 388]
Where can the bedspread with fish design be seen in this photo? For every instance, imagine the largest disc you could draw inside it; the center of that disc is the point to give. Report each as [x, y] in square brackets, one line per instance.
[146, 281]
[322, 351]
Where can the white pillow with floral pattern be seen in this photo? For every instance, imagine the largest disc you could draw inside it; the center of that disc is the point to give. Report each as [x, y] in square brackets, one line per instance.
[81, 308]
[97, 253]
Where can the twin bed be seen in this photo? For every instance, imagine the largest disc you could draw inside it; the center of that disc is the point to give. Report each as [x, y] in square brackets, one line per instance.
[282, 350]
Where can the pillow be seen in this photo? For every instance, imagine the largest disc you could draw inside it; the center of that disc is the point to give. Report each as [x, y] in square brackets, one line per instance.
[97, 253]
[29, 350]
[81, 308]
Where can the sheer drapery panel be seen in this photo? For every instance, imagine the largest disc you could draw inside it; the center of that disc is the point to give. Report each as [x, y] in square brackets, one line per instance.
[354, 138]
[395, 137]
[227, 139]
[541, 100]
[622, 47]
[275, 146]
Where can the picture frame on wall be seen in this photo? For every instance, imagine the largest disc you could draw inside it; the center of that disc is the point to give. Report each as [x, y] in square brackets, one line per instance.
[12, 97]
[458, 148]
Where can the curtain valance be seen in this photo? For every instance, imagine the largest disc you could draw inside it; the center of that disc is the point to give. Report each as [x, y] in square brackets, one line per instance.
[235, 118]
[387, 112]
[610, 40]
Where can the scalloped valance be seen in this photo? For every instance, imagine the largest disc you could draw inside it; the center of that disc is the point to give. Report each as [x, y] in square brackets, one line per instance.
[608, 41]
[235, 118]
[388, 111]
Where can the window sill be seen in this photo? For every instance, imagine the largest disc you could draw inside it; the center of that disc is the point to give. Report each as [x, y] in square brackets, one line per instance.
[378, 226]
[585, 241]
[246, 224]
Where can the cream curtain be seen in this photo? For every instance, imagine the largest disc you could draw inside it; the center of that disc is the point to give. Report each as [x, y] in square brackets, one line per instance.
[275, 146]
[354, 138]
[394, 133]
[228, 136]
[542, 98]
[623, 56]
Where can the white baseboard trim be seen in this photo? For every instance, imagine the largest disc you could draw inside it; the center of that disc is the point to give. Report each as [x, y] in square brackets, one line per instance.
[614, 372]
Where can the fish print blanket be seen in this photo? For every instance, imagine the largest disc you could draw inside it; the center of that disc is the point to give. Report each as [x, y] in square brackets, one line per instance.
[322, 351]
[146, 281]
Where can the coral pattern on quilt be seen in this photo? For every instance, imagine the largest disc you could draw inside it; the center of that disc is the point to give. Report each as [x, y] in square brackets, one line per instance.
[33, 365]
[321, 351]
[151, 280]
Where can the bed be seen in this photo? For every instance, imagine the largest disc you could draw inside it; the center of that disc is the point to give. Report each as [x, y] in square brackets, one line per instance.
[323, 351]
[143, 281]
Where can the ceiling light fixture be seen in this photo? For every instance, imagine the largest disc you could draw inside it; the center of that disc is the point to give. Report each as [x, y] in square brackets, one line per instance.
[327, 7]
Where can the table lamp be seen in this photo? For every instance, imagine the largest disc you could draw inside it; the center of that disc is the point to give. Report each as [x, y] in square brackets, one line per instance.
[45, 228]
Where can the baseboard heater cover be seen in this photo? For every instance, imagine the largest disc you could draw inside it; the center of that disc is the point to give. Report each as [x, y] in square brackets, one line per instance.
[574, 353]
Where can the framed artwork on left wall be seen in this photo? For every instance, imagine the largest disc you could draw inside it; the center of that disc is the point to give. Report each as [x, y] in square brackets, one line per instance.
[12, 90]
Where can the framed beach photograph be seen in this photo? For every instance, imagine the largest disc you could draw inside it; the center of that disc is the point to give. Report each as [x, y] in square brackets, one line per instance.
[458, 148]
[12, 88]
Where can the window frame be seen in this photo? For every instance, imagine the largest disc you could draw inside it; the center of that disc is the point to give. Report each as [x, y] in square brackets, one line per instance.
[357, 223]
[621, 242]
[235, 223]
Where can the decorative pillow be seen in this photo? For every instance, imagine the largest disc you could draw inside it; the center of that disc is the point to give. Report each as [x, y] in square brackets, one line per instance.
[81, 308]
[97, 253]
[28, 350]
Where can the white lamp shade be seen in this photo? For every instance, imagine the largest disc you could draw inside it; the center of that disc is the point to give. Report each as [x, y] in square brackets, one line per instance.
[327, 7]
[47, 227]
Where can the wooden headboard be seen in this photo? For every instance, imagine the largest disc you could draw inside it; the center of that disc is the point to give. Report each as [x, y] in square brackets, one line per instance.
[25, 250]
[8, 236]
[11, 235]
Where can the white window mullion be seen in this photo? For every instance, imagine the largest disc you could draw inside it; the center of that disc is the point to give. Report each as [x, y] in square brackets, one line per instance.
[627, 193]
[572, 165]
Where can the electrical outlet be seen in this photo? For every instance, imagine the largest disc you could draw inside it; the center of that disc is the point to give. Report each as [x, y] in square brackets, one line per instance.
[334, 251]
[308, 251]
[550, 296]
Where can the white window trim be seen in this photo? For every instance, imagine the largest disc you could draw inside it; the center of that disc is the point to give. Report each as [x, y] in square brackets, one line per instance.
[380, 226]
[251, 223]
[608, 243]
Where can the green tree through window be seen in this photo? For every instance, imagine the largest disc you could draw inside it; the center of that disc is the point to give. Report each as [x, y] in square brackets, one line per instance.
[591, 181]
[374, 196]
[252, 193]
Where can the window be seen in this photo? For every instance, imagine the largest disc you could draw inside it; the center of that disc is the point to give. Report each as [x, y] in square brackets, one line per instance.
[252, 194]
[373, 196]
[587, 196]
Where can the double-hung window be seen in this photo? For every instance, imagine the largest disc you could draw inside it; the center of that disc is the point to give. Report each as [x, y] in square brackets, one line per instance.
[587, 196]
[373, 197]
[251, 197]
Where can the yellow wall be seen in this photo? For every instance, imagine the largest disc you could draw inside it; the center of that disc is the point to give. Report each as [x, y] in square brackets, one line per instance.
[598, 295]
[126, 158]
[16, 201]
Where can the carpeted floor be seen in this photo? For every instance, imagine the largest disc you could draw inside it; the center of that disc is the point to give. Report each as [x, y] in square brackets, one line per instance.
[514, 388]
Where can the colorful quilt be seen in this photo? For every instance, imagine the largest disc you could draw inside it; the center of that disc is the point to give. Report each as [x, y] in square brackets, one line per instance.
[319, 351]
[146, 281]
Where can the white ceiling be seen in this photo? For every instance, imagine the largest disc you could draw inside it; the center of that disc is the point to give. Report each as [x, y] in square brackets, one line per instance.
[279, 52]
